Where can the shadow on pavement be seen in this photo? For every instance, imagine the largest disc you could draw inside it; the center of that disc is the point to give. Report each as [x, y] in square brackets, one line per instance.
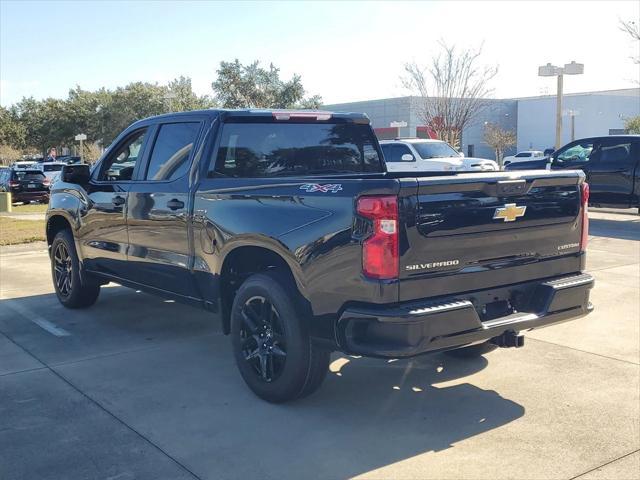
[623, 229]
[187, 397]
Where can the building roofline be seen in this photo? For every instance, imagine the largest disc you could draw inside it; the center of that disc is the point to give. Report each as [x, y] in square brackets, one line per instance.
[631, 91]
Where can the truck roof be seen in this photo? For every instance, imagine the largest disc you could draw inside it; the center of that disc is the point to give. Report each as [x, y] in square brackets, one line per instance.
[259, 112]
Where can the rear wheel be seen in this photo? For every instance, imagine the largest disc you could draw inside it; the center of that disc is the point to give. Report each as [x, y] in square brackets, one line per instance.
[271, 345]
[73, 291]
[472, 351]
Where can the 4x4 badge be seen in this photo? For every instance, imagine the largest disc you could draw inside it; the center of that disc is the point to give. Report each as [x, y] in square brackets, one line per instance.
[316, 187]
[509, 212]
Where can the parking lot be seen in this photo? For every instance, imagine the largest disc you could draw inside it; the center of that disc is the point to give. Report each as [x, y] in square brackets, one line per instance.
[138, 387]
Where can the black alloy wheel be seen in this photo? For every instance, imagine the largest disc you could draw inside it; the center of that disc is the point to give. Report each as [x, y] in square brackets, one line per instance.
[263, 338]
[63, 269]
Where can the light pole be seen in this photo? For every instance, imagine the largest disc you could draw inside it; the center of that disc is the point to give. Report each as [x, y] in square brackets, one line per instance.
[549, 70]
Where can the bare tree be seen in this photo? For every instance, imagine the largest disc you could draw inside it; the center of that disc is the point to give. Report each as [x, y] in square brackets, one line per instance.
[452, 90]
[633, 30]
[499, 139]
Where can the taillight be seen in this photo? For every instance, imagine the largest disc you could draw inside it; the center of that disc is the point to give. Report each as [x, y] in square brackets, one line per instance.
[46, 182]
[584, 200]
[380, 257]
[14, 184]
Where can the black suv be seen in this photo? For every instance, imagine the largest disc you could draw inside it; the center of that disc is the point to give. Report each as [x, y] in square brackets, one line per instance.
[25, 185]
[611, 165]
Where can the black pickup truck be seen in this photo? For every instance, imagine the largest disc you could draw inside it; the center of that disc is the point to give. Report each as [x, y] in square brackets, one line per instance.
[611, 165]
[286, 225]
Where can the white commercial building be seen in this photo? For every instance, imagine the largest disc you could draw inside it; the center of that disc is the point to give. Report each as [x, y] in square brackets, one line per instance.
[532, 118]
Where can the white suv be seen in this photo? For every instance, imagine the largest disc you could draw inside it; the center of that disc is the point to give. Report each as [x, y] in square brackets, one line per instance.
[427, 155]
[524, 156]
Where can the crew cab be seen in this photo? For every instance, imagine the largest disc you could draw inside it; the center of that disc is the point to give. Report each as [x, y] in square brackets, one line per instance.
[611, 165]
[286, 226]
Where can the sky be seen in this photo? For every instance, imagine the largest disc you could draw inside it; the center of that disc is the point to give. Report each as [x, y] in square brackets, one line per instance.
[344, 51]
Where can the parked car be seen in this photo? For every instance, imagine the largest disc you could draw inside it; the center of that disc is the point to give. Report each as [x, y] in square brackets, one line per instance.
[610, 163]
[524, 156]
[286, 225]
[427, 155]
[25, 185]
[51, 170]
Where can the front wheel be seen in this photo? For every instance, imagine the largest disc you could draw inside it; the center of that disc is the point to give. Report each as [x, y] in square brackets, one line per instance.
[72, 290]
[271, 345]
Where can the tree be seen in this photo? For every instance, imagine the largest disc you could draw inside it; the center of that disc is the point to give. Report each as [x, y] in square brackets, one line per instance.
[452, 90]
[12, 132]
[632, 125]
[251, 86]
[499, 139]
[633, 30]
[8, 154]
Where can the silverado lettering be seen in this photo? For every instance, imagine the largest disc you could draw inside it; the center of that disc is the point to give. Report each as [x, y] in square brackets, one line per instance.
[424, 266]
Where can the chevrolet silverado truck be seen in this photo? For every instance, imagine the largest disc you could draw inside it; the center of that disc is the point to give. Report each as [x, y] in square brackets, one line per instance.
[286, 226]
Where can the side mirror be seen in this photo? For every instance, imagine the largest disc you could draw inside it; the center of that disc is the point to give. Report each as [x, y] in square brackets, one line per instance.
[77, 173]
[407, 157]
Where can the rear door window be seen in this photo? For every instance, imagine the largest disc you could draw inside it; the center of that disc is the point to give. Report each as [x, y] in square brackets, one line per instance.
[393, 152]
[615, 152]
[172, 151]
[274, 149]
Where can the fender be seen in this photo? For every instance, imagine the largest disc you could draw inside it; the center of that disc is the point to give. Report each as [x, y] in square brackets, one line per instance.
[272, 244]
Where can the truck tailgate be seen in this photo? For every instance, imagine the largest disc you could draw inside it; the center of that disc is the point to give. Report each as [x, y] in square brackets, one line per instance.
[475, 231]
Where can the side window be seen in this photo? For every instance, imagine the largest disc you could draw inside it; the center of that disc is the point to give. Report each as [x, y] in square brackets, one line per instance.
[120, 164]
[172, 150]
[578, 153]
[393, 152]
[523, 154]
[615, 152]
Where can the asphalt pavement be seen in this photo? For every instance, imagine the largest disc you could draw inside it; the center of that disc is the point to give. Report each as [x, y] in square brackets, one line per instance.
[137, 387]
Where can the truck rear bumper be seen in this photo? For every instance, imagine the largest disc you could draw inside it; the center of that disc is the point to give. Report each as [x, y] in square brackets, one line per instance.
[414, 328]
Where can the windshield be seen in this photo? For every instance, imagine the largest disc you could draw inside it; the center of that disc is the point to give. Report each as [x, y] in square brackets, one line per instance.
[282, 149]
[435, 150]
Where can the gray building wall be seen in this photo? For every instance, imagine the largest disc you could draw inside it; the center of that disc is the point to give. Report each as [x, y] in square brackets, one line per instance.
[503, 113]
[406, 109]
[533, 119]
[383, 112]
[598, 112]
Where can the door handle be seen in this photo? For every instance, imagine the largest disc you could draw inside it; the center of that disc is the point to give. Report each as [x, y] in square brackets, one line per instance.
[118, 200]
[175, 204]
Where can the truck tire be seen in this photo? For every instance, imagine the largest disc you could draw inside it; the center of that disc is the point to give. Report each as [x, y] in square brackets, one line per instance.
[472, 351]
[72, 289]
[271, 344]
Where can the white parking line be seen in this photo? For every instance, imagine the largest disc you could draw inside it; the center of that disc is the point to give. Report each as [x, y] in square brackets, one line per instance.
[43, 323]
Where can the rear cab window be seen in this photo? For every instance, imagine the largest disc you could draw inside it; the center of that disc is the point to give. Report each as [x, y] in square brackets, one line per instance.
[276, 149]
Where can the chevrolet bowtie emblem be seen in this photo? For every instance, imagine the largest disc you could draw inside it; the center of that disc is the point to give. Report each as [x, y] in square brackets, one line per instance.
[509, 212]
